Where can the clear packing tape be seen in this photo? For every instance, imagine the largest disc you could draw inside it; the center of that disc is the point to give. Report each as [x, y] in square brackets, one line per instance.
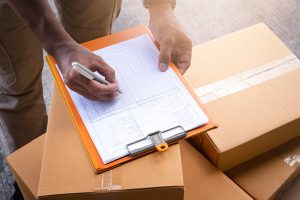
[247, 79]
[104, 182]
[292, 160]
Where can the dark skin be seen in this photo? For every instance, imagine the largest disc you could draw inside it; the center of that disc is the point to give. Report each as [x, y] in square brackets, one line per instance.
[174, 44]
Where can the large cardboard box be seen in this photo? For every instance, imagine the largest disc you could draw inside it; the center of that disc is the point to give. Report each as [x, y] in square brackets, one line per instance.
[201, 179]
[268, 175]
[66, 171]
[249, 82]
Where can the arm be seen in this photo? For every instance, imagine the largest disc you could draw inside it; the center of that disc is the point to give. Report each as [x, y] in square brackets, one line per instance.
[174, 43]
[39, 17]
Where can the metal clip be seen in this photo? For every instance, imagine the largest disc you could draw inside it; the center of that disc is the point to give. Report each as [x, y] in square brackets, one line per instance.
[159, 143]
[157, 140]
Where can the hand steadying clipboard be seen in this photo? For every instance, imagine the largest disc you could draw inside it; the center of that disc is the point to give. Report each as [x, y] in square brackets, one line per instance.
[100, 147]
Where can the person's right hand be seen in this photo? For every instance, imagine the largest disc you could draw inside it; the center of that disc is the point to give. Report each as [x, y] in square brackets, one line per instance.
[80, 84]
[57, 42]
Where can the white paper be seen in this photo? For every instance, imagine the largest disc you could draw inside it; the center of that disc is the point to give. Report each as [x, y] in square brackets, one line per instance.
[151, 100]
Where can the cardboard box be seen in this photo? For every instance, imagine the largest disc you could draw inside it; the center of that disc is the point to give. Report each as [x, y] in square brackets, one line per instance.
[25, 164]
[249, 83]
[268, 175]
[201, 179]
[204, 181]
[66, 172]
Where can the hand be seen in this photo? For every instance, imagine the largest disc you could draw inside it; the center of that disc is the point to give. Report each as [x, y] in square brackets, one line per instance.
[80, 84]
[174, 43]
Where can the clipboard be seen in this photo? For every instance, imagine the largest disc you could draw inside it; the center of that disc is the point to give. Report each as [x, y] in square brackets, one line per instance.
[82, 130]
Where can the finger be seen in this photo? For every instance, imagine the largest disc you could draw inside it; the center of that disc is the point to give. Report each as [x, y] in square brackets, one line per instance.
[100, 89]
[78, 89]
[109, 97]
[174, 58]
[92, 86]
[164, 55]
[75, 86]
[86, 93]
[184, 61]
[105, 70]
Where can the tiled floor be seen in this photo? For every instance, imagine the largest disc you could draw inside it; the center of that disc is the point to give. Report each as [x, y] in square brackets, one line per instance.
[204, 20]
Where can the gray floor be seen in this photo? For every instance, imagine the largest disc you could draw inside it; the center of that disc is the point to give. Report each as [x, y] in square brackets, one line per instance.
[205, 20]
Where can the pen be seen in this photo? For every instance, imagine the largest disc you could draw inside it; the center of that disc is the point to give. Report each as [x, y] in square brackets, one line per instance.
[89, 74]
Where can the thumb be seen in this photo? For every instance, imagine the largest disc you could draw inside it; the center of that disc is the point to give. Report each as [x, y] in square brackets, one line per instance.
[164, 56]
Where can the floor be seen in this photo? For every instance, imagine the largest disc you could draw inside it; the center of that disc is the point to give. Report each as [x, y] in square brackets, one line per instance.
[205, 20]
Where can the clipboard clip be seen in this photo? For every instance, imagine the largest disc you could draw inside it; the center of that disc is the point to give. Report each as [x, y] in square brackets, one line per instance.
[159, 140]
[159, 143]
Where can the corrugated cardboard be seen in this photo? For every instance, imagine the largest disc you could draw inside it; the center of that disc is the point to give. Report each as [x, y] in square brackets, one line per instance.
[66, 172]
[25, 164]
[201, 179]
[266, 176]
[257, 118]
[204, 181]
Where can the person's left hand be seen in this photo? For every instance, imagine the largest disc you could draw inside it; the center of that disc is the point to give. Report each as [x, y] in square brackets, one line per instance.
[175, 45]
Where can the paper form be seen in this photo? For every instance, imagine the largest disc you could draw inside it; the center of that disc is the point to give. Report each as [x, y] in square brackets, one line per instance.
[151, 100]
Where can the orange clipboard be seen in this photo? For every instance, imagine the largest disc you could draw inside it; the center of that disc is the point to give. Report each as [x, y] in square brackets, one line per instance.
[82, 130]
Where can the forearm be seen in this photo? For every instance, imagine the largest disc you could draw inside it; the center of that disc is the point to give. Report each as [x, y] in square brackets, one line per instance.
[39, 17]
[160, 14]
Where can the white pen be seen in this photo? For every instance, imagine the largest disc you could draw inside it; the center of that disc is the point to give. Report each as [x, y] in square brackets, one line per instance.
[89, 74]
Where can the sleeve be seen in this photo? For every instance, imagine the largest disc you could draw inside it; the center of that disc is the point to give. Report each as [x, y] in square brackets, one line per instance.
[147, 3]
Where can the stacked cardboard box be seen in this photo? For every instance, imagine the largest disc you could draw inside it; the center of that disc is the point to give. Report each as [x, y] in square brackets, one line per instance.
[249, 82]
[268, 175]
[253, 118]
[63, 170]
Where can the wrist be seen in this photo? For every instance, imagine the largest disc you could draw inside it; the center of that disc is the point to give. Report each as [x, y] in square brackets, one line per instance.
[60, 51]
[148, 3]
[56, 45]
[160, 14]
[160, 10]
[161, 17]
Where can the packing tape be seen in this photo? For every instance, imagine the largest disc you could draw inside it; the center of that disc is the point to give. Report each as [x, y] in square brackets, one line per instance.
[247, 79]
[292, 160]
[104, 182]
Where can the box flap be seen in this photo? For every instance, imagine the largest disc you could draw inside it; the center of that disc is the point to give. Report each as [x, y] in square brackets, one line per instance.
[28, 172]
[271, 171]
[234, 53]
[66, 168]
[204, 181]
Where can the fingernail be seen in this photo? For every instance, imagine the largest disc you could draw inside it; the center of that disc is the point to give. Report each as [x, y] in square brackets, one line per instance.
[163, 66]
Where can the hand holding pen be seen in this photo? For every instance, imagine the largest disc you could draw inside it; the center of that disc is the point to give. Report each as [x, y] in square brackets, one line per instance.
[86, 87]
[90, 75]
